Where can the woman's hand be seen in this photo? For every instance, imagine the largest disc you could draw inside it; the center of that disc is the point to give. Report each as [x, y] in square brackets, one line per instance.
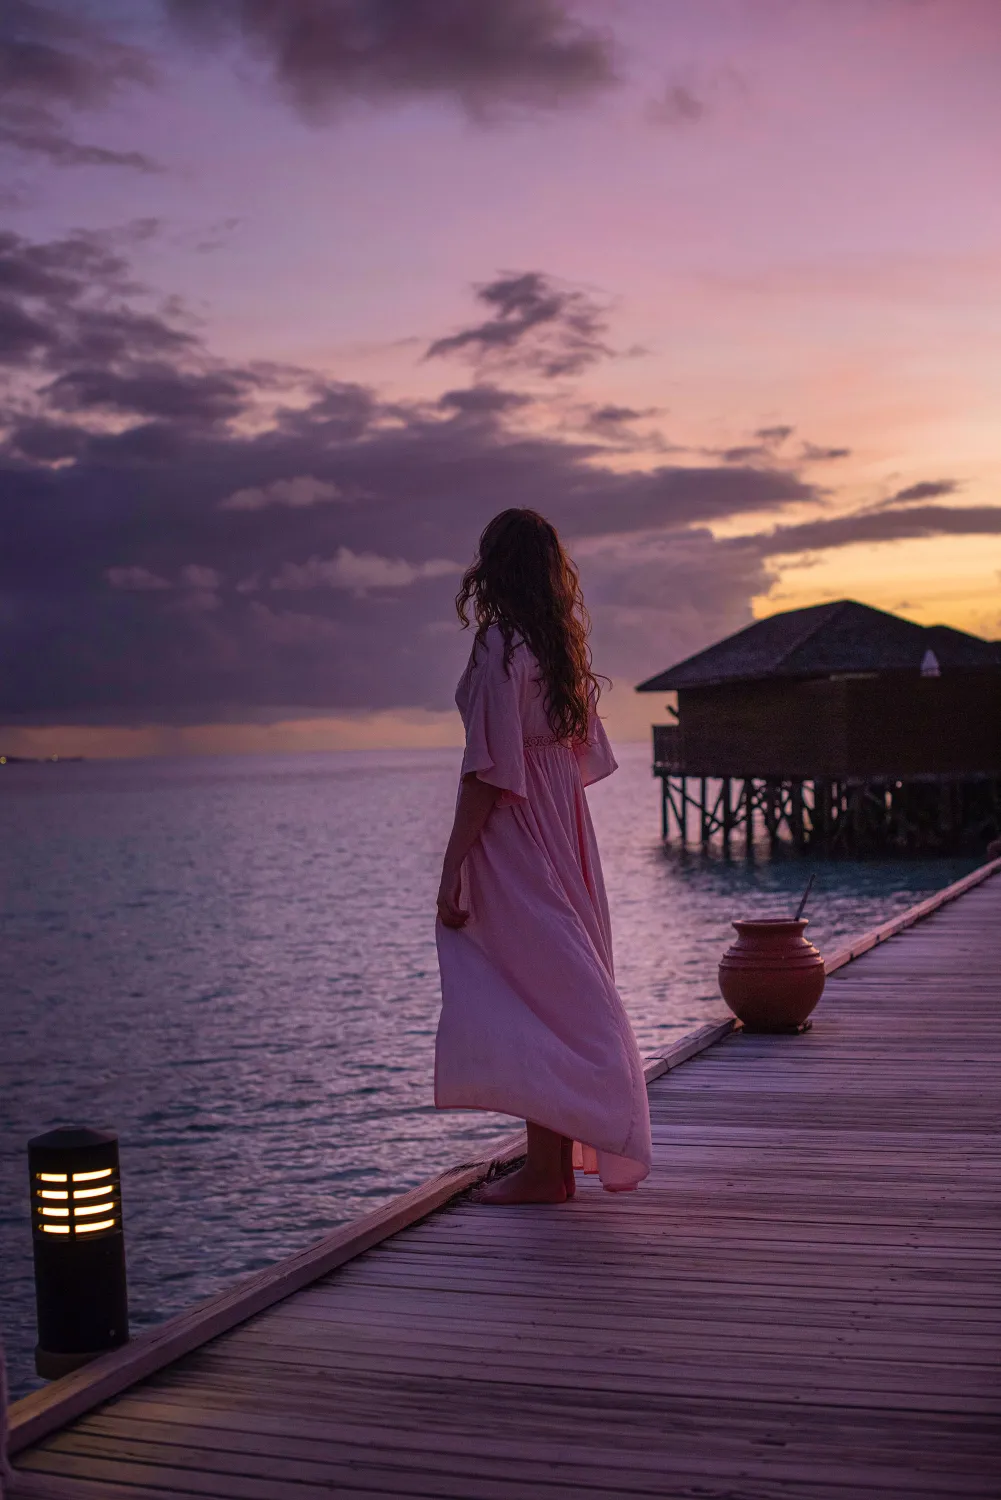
[476, 802]
[450, 912]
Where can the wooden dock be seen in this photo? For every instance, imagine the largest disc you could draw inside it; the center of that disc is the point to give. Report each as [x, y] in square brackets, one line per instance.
[804, 1300]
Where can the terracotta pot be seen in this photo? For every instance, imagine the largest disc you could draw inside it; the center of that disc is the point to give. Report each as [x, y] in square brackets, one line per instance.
[771, 978]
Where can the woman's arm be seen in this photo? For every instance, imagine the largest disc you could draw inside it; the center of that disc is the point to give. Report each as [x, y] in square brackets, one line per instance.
[476, 802]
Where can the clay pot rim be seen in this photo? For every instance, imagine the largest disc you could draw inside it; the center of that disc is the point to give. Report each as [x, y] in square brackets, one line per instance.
[770, 924]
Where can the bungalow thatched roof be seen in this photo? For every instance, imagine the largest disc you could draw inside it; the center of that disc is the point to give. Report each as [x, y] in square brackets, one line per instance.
[823, 640]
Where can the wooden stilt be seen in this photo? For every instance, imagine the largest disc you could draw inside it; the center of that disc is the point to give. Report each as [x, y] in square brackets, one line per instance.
[863, 815]
[796, 813]
[822, 796]
[769, 809]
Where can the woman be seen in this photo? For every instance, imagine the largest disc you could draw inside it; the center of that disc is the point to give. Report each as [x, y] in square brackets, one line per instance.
[531, 1022]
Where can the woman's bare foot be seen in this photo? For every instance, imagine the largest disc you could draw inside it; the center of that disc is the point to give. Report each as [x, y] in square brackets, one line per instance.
[566, 1164]
[542, 1179]
[524, 1186]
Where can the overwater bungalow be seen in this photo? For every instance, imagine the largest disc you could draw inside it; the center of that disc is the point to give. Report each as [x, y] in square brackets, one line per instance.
[839, 728]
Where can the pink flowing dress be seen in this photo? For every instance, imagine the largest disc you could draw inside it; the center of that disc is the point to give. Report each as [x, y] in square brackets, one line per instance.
[531, 1022]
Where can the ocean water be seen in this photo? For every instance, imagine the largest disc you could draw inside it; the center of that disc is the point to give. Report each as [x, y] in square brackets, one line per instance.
[231, 961]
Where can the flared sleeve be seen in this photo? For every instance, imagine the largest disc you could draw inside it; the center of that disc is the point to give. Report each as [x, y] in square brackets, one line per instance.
[495, 749]
[595, 758]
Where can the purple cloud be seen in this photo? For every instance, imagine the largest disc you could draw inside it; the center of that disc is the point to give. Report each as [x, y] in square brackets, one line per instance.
[164, 556]
[485, 56]
[54, 65]
[883, 525]
[536, 325]
[926, 490]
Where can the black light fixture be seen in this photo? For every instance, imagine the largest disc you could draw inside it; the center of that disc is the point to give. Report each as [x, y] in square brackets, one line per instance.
[79, 1247]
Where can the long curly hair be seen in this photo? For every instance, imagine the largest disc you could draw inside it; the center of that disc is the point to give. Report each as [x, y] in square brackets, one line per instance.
[523, 581]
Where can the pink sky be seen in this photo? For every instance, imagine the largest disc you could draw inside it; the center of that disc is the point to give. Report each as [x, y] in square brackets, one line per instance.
[789, 209]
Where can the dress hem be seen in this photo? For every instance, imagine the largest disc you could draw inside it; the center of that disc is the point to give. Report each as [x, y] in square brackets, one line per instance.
[489, 1109]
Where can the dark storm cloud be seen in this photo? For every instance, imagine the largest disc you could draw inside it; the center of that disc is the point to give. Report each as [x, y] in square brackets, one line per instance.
[339, 412]
[182, 538]
[40, 439]
[656, 598]
[165, 555]
[56, 63]
[614, 416]
[21, 334]
[483, 400]
[51, 53]
[812, 453]
[536, 325]
[883, 525]
[155, 390]
[481, 53]
[59, 61]
[768, 440]
[616, 422]
[927, 489]
[34, 138]
[744, 453]
[618, 427]
[61, 270]
[371, 573]
[64, 301]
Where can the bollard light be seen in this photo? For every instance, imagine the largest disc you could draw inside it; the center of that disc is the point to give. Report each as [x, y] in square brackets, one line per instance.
[79, 1247]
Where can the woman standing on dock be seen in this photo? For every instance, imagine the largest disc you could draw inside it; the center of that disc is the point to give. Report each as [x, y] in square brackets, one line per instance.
[531, 1022]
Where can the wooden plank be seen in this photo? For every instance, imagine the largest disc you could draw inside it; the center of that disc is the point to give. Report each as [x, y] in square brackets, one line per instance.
[28, 1486]
[498, 1483]
[577, 1461]
[696, 1359]
[823, 1431]
[660, 1327]
[352, 1451]
[689, 1046]
[412, 1407]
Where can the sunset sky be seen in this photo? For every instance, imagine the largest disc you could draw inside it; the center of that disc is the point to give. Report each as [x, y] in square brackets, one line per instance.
[296, 294]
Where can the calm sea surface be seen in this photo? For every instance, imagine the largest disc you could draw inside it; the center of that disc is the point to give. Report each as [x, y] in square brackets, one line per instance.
[232, 963]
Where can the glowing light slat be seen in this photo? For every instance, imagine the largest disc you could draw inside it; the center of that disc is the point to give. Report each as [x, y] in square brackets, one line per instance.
[90, 1176]
[88, 1228]
[52, 1177]
[51, 1193]
[100, 1192]
[55, 1213]
[92, 1208]
[56, 1228]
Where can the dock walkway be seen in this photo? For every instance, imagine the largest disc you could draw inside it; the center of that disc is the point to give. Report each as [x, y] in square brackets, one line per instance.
[804, 1300]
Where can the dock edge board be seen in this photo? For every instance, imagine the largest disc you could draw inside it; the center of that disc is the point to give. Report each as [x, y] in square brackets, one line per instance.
[877, 935]
[43, 1412]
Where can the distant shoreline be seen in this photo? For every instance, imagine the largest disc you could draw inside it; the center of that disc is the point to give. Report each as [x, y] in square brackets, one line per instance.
[38, 760]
